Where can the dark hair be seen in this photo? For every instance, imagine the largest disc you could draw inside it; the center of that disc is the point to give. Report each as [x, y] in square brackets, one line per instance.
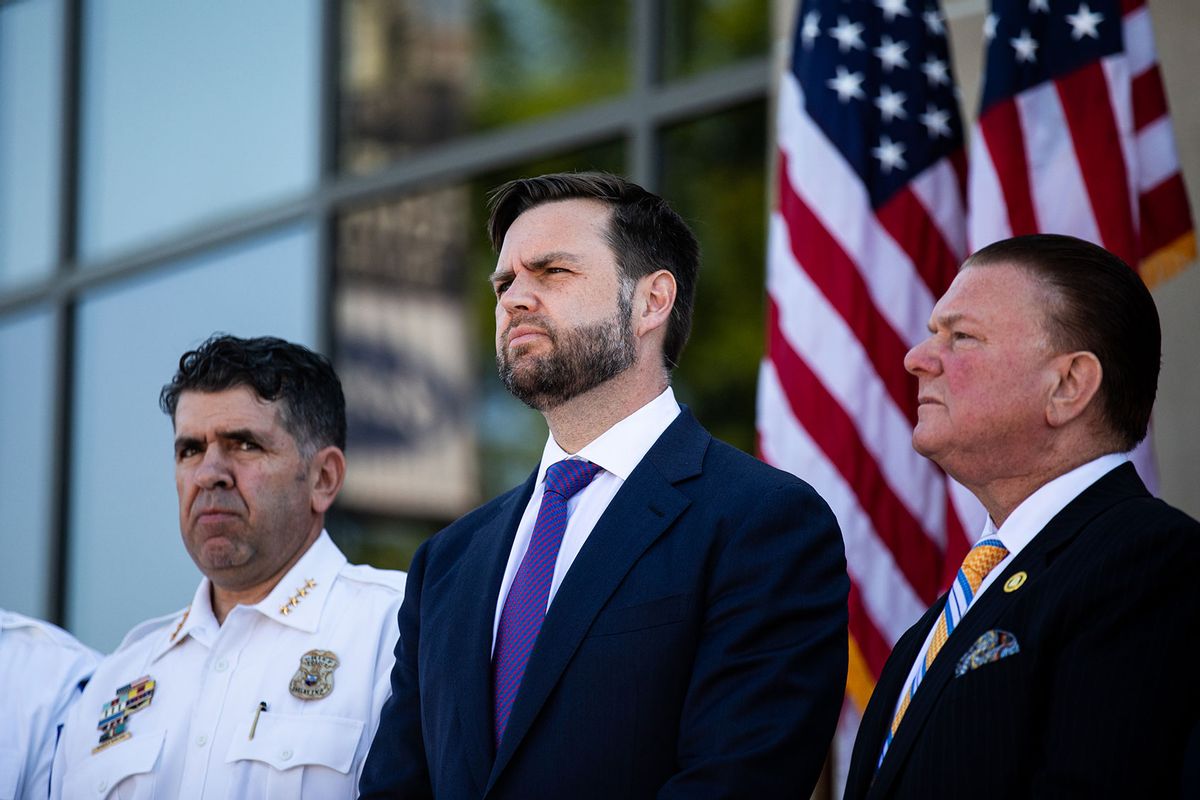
[312, 405]
[1102, 306]
[645, 233]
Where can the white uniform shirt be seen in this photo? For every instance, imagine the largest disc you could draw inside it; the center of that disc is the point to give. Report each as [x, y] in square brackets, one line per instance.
[616, 451]
[1025, 522]
[194, 740]
[41, 667]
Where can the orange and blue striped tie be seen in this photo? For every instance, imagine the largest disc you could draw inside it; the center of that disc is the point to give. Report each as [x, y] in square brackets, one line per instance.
[982, 559]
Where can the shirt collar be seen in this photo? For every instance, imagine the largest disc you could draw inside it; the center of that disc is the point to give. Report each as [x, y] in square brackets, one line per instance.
[302, 591]
[1036, 511]
[619, 449]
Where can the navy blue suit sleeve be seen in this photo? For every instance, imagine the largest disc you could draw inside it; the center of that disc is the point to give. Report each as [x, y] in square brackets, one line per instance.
[396, 765]
[770, 669]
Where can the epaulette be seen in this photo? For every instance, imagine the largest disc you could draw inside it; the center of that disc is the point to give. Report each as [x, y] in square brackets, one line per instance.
[144, 629]
[11, 620]
[365, 573]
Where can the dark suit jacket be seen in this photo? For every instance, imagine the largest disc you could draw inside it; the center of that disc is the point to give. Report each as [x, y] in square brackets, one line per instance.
[1099, 700]
[695, 649]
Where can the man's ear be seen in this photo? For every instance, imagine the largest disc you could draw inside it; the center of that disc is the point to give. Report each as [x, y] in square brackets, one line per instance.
[1078, 377]
[326, 474]
[654, 299]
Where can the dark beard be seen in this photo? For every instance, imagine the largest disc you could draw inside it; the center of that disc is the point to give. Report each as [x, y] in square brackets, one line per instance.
[581, 359]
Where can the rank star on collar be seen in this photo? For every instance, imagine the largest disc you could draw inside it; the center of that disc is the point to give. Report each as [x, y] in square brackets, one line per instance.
[297, 596]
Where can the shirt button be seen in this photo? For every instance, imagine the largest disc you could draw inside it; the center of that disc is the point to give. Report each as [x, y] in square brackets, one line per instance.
[221, 665]
[286, 755]
[201, 740]
[100, 787]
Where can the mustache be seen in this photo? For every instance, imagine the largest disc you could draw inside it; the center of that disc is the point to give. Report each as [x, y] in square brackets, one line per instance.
[221, 501]
[534, 320]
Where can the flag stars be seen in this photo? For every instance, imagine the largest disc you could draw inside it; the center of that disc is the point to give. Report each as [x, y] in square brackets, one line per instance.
[935, 23]
[891, 53]
[893, 8]
[890, 155]
[848, 35]
[936, 71]
[847, 84]
[989, 26]
[936, 121]
[810, 30]
[1036, 6]
[1025, 46]
[1084, 22]
[890, 104]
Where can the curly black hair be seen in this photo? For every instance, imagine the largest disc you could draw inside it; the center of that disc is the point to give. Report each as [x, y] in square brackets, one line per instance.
[313, 406]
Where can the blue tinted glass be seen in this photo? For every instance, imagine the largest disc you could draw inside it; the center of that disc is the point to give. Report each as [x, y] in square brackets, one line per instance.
[30, 73]
[193, 112]
[126, 560]
[26, 431]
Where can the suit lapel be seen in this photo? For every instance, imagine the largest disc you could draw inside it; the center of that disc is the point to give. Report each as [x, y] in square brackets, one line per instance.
[1034, 559]
[881, 708]
[470, 649]
[646, 506]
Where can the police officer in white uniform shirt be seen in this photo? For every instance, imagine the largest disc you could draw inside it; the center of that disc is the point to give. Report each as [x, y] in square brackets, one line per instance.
[271, 682]
[42, 669]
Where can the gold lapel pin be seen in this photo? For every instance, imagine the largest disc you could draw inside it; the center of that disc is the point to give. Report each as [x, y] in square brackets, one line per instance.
[1016, 581]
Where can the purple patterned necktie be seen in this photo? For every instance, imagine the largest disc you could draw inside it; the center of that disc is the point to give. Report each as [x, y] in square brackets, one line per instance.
[525, 606]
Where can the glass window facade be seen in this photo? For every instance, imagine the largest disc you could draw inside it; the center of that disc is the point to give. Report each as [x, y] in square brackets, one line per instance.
[727, 151]
[416, 73]
[193, 112]
[700, 35]
[30, 97]
[27, 343]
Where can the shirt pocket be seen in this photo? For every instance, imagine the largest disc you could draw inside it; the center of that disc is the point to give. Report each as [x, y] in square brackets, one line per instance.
[10, 773]
[286, 742]
[124, 770]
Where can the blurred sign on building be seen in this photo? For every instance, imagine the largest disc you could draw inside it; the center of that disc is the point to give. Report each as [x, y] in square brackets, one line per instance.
[403, 350]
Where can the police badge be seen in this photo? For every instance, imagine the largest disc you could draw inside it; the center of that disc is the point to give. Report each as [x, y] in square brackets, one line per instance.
[314, 679]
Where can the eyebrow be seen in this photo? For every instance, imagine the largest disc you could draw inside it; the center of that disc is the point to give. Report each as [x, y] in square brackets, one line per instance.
[186, 441]
[240, 435]
[236, 434]
[945, 319]
[536, 265]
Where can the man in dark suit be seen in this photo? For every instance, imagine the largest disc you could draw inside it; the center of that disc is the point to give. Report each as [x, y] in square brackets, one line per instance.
[653, 613]
[1061, 663]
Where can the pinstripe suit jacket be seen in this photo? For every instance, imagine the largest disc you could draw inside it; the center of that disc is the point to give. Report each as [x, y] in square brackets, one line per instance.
[1101, 696]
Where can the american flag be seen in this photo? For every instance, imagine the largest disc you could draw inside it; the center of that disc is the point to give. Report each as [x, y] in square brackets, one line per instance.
[1074, 137]
[869, 228]
[868, 231]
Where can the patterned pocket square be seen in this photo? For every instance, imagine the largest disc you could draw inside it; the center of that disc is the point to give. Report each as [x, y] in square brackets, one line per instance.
[991, 646]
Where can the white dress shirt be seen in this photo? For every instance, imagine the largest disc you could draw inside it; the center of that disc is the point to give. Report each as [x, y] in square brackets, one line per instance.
[1025, 521]
[194, 738]
[41, 667]
[616, 451]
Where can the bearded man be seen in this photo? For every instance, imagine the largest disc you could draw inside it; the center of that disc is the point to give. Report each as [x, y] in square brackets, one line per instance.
[652, 613]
